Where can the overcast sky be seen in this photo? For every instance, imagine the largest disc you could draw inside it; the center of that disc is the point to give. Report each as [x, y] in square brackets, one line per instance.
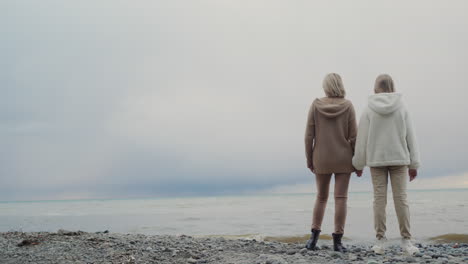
[155, 98]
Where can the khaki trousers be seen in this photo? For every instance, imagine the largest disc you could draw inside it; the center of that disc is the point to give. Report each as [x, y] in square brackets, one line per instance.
[399, 177]
[341, 197]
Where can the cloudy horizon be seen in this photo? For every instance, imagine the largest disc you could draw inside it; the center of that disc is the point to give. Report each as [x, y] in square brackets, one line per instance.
[115, 99]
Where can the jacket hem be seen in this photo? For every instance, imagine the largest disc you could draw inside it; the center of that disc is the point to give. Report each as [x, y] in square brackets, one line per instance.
[333, 172]
[389, 163]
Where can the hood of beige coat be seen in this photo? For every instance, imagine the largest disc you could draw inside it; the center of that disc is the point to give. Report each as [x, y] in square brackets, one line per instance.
[331, 107]
[385, 103]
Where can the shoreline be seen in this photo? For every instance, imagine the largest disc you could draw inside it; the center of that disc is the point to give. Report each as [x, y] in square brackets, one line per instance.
[439, 239]
[105, 247]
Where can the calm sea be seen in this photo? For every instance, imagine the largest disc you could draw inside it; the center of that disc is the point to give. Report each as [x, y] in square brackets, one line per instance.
[433, 213]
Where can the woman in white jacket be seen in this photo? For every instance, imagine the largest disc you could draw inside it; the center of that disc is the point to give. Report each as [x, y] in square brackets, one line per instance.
[386, 142]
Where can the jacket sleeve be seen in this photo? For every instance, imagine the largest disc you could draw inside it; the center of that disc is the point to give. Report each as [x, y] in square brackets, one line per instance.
[309, 136]
[352, 128]
[359, 159]
[412, 143]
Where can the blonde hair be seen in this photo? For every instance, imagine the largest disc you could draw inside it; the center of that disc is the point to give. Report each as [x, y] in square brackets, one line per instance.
[384, 84]
[333, 85]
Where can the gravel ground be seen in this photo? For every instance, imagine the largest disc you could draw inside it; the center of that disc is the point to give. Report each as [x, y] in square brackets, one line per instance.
[104, 247]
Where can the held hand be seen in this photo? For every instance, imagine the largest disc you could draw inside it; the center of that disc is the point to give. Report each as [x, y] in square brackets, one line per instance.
[359, 173]
[412, 174]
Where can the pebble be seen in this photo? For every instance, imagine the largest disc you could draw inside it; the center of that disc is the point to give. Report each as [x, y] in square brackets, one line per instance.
[301, 261]
[191, 260]
[335, 254]
[166, 249]
[270, 259]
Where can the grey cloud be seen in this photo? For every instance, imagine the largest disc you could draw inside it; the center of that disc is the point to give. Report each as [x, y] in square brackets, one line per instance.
[209, 97]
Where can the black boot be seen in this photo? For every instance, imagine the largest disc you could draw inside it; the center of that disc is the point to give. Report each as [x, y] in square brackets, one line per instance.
[337, 246]
[312, 242]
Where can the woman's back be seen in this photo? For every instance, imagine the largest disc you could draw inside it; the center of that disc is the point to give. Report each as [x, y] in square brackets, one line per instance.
[334, 125]
[386, 137]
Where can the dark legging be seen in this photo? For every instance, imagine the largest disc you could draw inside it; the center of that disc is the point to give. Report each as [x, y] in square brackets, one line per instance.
[341, 197]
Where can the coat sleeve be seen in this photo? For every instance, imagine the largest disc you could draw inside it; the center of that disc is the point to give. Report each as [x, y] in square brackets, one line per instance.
[412, 143]
[360, 157]
[309, 137]
[352, 128]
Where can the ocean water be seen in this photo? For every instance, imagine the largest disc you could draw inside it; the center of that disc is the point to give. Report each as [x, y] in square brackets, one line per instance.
[433, 213]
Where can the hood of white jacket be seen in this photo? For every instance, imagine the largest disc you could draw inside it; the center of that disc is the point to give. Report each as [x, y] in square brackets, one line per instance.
[385, 103]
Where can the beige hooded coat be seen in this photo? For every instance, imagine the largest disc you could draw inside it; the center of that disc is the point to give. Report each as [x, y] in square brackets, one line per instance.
[330, 135]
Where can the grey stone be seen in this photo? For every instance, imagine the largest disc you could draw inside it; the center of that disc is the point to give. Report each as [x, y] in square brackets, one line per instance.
[301, 261]
[442, 260]
[270, 259]
[191, 261]
[335, 254]
[166, 249]
[280, 250]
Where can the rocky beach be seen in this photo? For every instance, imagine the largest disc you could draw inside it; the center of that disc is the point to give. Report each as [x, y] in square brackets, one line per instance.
[103, 247]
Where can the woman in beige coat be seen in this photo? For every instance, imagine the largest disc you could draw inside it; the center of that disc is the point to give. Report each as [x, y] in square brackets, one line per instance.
[329, 145]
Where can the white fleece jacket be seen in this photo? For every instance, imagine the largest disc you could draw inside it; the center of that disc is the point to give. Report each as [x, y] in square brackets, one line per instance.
[385, 134]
